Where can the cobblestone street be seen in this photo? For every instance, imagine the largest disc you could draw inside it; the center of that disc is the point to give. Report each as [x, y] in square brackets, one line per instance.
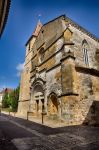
[21, 134]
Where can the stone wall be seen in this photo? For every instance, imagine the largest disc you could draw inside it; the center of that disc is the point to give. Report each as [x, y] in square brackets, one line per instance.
[77, 39]
[24, 98]
[68, 84]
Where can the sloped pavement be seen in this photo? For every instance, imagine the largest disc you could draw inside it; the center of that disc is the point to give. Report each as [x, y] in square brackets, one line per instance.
[27, 135]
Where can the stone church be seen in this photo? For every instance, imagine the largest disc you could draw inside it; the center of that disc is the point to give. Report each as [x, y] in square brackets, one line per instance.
[61, 73]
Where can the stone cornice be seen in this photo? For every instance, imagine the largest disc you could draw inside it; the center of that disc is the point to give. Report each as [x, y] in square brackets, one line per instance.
[73, 23]
[69, 94]
[68, 55]
[87, 70]
[24, 100]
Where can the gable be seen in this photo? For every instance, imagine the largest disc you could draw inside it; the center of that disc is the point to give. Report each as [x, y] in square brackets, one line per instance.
[68, 34]
[49, 34]
[54, 29]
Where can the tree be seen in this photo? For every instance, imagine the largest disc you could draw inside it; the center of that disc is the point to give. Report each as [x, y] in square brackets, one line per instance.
[5, 101]
[14, 97]
[11, 100]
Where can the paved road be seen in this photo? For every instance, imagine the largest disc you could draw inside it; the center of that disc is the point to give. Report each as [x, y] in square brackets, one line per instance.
[27, 135]
[9, 131]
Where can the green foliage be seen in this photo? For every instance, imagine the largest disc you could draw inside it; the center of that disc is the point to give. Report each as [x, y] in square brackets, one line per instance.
[11, 100]
[5, 103]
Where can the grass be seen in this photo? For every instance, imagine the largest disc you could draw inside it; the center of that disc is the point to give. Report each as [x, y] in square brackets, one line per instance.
[8, 110]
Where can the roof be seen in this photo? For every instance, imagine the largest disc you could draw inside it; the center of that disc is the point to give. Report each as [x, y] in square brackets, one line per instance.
[73, 23]
[6, 90]
[4, 10]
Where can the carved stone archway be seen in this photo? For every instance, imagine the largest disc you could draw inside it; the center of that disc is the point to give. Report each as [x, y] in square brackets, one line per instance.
[37, 95]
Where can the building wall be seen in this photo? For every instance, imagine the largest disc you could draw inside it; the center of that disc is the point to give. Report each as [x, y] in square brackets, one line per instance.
[65, 78]
[24, 97]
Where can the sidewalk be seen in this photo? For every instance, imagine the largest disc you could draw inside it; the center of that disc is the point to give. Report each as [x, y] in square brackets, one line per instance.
[30, 125]
[47, 138]
[47, 122]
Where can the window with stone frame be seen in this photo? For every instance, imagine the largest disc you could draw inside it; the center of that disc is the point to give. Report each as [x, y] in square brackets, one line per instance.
[27, 69]
[41, 55]
[29, 47]
[85, 52]
[33, 65]
[97, 57]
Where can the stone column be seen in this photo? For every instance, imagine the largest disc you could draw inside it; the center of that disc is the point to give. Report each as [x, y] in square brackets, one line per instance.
[45, 100]
[30, 102]
[59, 107]
[67, 67]
[40, 106]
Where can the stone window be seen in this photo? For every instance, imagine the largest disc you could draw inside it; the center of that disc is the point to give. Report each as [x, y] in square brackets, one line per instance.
[97, 58]
[42, 31]
[29, 47]
[33, 65]
[41, 55]
[27, 69]
[85, 52]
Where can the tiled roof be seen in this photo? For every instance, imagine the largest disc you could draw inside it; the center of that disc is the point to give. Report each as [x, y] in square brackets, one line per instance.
[6, 90]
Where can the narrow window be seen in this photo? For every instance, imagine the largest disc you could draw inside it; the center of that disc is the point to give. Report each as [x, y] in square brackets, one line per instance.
[41, 54]
[85, 52]
[29, 47]
[85, 56]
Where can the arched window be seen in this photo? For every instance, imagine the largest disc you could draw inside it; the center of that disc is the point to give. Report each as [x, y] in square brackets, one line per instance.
[41, 54]
[85, 52]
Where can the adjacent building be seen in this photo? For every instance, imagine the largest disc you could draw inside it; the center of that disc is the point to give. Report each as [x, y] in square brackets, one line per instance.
[3, 92]
[4, 10]
[61, 73]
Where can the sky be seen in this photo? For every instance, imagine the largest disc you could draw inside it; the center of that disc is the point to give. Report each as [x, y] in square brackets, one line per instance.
[22, 20]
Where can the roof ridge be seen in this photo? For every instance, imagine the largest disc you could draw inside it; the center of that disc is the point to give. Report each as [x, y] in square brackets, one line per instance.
[54, 19]
[79, 27]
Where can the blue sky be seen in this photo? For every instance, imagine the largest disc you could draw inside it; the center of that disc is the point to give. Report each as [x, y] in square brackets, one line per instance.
[22, 20]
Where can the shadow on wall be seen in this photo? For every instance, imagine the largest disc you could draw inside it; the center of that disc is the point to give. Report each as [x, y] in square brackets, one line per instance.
[92, 117]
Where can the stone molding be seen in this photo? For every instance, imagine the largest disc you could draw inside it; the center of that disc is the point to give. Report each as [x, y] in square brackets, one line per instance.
[87, 70]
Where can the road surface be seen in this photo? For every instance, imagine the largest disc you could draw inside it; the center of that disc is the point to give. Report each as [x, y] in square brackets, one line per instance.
[16, 133]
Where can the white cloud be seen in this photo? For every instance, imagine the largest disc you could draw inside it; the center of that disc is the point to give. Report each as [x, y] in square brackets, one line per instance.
[19, 69]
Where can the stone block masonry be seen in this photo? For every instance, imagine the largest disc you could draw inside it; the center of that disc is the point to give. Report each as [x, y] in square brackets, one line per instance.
[61, 74]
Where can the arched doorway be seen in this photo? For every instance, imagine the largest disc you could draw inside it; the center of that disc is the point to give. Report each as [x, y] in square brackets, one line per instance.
[53, 105]
[37, 98]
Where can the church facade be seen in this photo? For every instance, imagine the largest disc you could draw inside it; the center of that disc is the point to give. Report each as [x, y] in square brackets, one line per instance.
[61, 73]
